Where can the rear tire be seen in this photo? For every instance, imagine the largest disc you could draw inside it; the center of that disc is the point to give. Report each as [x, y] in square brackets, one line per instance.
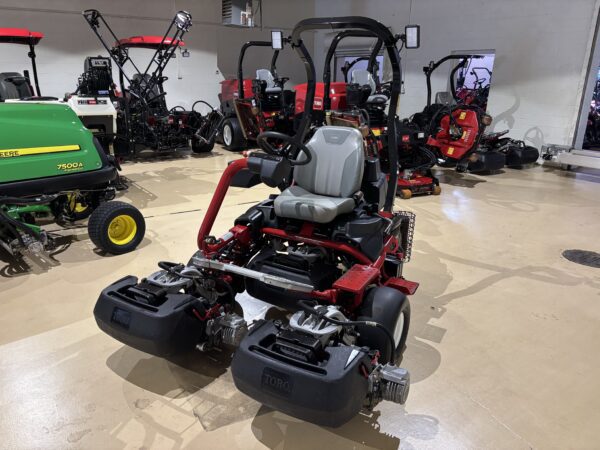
[233, 136]
[390, 308]
[116, 227]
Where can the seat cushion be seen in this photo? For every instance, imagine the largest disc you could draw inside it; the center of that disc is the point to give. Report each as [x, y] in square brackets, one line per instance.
[297, 203]
[377, 98]
[274, 90]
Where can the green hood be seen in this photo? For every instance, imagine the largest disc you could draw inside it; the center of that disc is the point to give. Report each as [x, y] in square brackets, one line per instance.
[43, 140]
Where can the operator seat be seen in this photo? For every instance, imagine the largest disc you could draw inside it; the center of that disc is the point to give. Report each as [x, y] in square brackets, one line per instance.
[326, 186]
[363, 77]
[13, 85]
[266, 75]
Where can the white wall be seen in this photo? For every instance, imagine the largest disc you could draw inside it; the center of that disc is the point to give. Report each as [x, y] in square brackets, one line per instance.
[68, 40]
[541, 48]
[541, 53]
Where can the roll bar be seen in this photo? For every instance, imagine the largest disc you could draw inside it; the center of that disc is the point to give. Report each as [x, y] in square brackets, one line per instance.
[25, 37]
[389, 40]
[331, 52]
[31, 55]
[433, 65]
[240, 71]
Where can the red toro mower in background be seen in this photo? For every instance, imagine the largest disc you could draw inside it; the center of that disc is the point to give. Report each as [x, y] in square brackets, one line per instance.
[329, 248]
[252, 106]
[363, 105]
[446, 133]
[143, 119]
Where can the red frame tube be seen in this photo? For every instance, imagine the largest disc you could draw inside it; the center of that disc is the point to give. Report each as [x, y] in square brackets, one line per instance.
[217, 199]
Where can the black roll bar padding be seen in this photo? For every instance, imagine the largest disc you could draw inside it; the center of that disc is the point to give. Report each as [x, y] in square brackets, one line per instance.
[433, 65]
[389, 40]
[331, 52]
[31, 55]
[240, 70]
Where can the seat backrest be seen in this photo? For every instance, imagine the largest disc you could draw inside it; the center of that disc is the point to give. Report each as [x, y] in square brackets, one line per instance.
[266, 75]
[363, 77]
[13, 85]
[337, 164]
[444, 98]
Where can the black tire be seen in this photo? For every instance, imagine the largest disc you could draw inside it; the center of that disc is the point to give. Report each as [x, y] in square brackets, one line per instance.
[232, 134]
[202, 146]
[386, 306]
[100, 223]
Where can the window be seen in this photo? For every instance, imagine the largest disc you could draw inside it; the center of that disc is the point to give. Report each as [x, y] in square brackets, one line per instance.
[353, 62]
[473, 80]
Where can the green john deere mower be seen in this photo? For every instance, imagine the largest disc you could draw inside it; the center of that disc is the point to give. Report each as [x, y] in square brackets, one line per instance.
[53, 169]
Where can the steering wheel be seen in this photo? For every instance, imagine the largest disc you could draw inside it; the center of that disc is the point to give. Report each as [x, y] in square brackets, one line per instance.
[286, 150]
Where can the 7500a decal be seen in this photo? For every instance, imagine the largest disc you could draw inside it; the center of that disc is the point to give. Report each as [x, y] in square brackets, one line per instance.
[70, 166]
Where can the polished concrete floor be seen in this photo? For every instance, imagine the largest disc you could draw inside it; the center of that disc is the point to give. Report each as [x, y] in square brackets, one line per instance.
[503, 345]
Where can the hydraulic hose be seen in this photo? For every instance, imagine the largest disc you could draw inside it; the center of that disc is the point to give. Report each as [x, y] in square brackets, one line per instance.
[310, 308]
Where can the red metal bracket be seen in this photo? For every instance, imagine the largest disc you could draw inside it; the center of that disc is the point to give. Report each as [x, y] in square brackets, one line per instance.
[356, 279]
[404, 286]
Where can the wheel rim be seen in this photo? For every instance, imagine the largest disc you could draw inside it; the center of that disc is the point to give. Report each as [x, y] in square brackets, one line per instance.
[122, 229]
[398, 330]
[227, 134]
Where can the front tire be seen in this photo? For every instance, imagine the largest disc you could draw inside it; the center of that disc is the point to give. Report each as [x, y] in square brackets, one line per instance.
[233, 136]
[390, 308]
[116, 227]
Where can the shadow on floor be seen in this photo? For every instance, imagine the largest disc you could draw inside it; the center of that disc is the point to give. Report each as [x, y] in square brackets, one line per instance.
[27, 264]
[279, 431]
[454, 178]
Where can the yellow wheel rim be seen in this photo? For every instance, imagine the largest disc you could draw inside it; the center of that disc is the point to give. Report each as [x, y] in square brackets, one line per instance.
[122, 230]
[76, 206]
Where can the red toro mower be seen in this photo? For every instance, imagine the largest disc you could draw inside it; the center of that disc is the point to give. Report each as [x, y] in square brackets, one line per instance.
[143, 119]
[446, 134]
[252, 106]
[329, 249]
